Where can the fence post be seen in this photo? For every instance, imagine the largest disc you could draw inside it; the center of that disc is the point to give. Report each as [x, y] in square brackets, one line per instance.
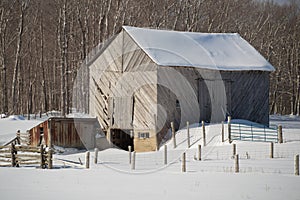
[183, 163]
[87, 160]
[13, 156]
[271, 150]
[280, 138]
[297, 165]
[173, 134]
[18, 137]
[42, 153]
[133, 161]
[199, 152]
[229, 129]
[204, 135]
[50, 151]
[50, 158]
[237, 167]
[222, 131]
[188, 134]
[165, 155]
[129, 151]
[96, 155]
[233, 150]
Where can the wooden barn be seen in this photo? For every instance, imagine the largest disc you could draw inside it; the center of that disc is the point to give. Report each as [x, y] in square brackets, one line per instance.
[65, 132]
[143, 79]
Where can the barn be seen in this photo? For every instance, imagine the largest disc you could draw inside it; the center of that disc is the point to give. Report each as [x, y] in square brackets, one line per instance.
[143, 79]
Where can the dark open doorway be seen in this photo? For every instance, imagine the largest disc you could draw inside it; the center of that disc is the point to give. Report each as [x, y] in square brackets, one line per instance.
[122, 138]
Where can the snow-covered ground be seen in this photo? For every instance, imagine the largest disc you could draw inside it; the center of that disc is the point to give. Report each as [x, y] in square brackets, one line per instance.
[211, 178]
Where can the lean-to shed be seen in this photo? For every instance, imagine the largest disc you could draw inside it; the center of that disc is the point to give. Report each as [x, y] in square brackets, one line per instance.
[65, 132]
[142, 79]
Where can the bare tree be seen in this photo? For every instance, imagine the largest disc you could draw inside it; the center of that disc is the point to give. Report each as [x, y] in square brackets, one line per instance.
[23, 5]
[40, 58]
[63, 46]
[4, 13]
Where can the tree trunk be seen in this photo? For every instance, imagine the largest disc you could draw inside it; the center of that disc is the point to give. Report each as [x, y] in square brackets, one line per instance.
[63, 41]
[3, 74]
[18, 57]
[42, 67]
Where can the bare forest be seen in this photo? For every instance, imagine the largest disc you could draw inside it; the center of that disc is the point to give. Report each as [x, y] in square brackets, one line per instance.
[44, 43]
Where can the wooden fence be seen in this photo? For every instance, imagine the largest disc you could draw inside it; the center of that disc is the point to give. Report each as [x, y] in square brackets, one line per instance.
[17, 155]
[21, 139]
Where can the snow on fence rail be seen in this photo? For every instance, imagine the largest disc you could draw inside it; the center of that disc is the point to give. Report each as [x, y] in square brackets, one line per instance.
[17, 155]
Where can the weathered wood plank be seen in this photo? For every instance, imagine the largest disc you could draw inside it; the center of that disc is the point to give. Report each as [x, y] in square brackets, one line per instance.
[22, 160]
[28, 149]
[2, 159]
[5, 165]
[29, 162]
[28, 156]
[5, 151]
[5, 155]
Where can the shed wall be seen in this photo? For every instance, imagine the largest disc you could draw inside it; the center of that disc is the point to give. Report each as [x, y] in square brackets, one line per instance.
[35, 134]
[65, 132]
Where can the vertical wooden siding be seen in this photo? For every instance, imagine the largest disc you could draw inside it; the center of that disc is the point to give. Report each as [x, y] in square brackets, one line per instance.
[250, 96]
[35, 133]
[65, 132]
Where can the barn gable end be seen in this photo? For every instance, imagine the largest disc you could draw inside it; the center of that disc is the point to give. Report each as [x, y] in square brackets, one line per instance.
[123, 92]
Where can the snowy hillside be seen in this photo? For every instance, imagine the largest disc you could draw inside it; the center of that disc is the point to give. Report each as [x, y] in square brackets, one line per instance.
[213, 177]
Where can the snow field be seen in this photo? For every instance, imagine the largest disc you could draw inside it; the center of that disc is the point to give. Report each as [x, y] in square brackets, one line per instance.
[104, 183]
[219, 159]
[260, 177]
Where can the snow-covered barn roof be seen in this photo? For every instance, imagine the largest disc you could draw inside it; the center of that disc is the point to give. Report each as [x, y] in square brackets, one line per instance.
[219, 51]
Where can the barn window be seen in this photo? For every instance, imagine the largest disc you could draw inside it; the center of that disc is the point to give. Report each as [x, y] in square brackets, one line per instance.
[143, 135]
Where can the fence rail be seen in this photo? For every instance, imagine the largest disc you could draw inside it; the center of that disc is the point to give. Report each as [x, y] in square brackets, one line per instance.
[17, 155]
[254, 132]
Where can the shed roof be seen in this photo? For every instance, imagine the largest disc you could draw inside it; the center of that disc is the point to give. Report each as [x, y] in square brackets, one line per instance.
[218, 51]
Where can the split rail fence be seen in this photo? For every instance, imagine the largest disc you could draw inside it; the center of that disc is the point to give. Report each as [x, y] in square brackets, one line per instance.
[17, 155]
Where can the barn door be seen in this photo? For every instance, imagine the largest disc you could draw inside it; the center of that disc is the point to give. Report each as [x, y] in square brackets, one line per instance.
[213, 102]
[228, 95]
[204, 101]
[122, 112]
